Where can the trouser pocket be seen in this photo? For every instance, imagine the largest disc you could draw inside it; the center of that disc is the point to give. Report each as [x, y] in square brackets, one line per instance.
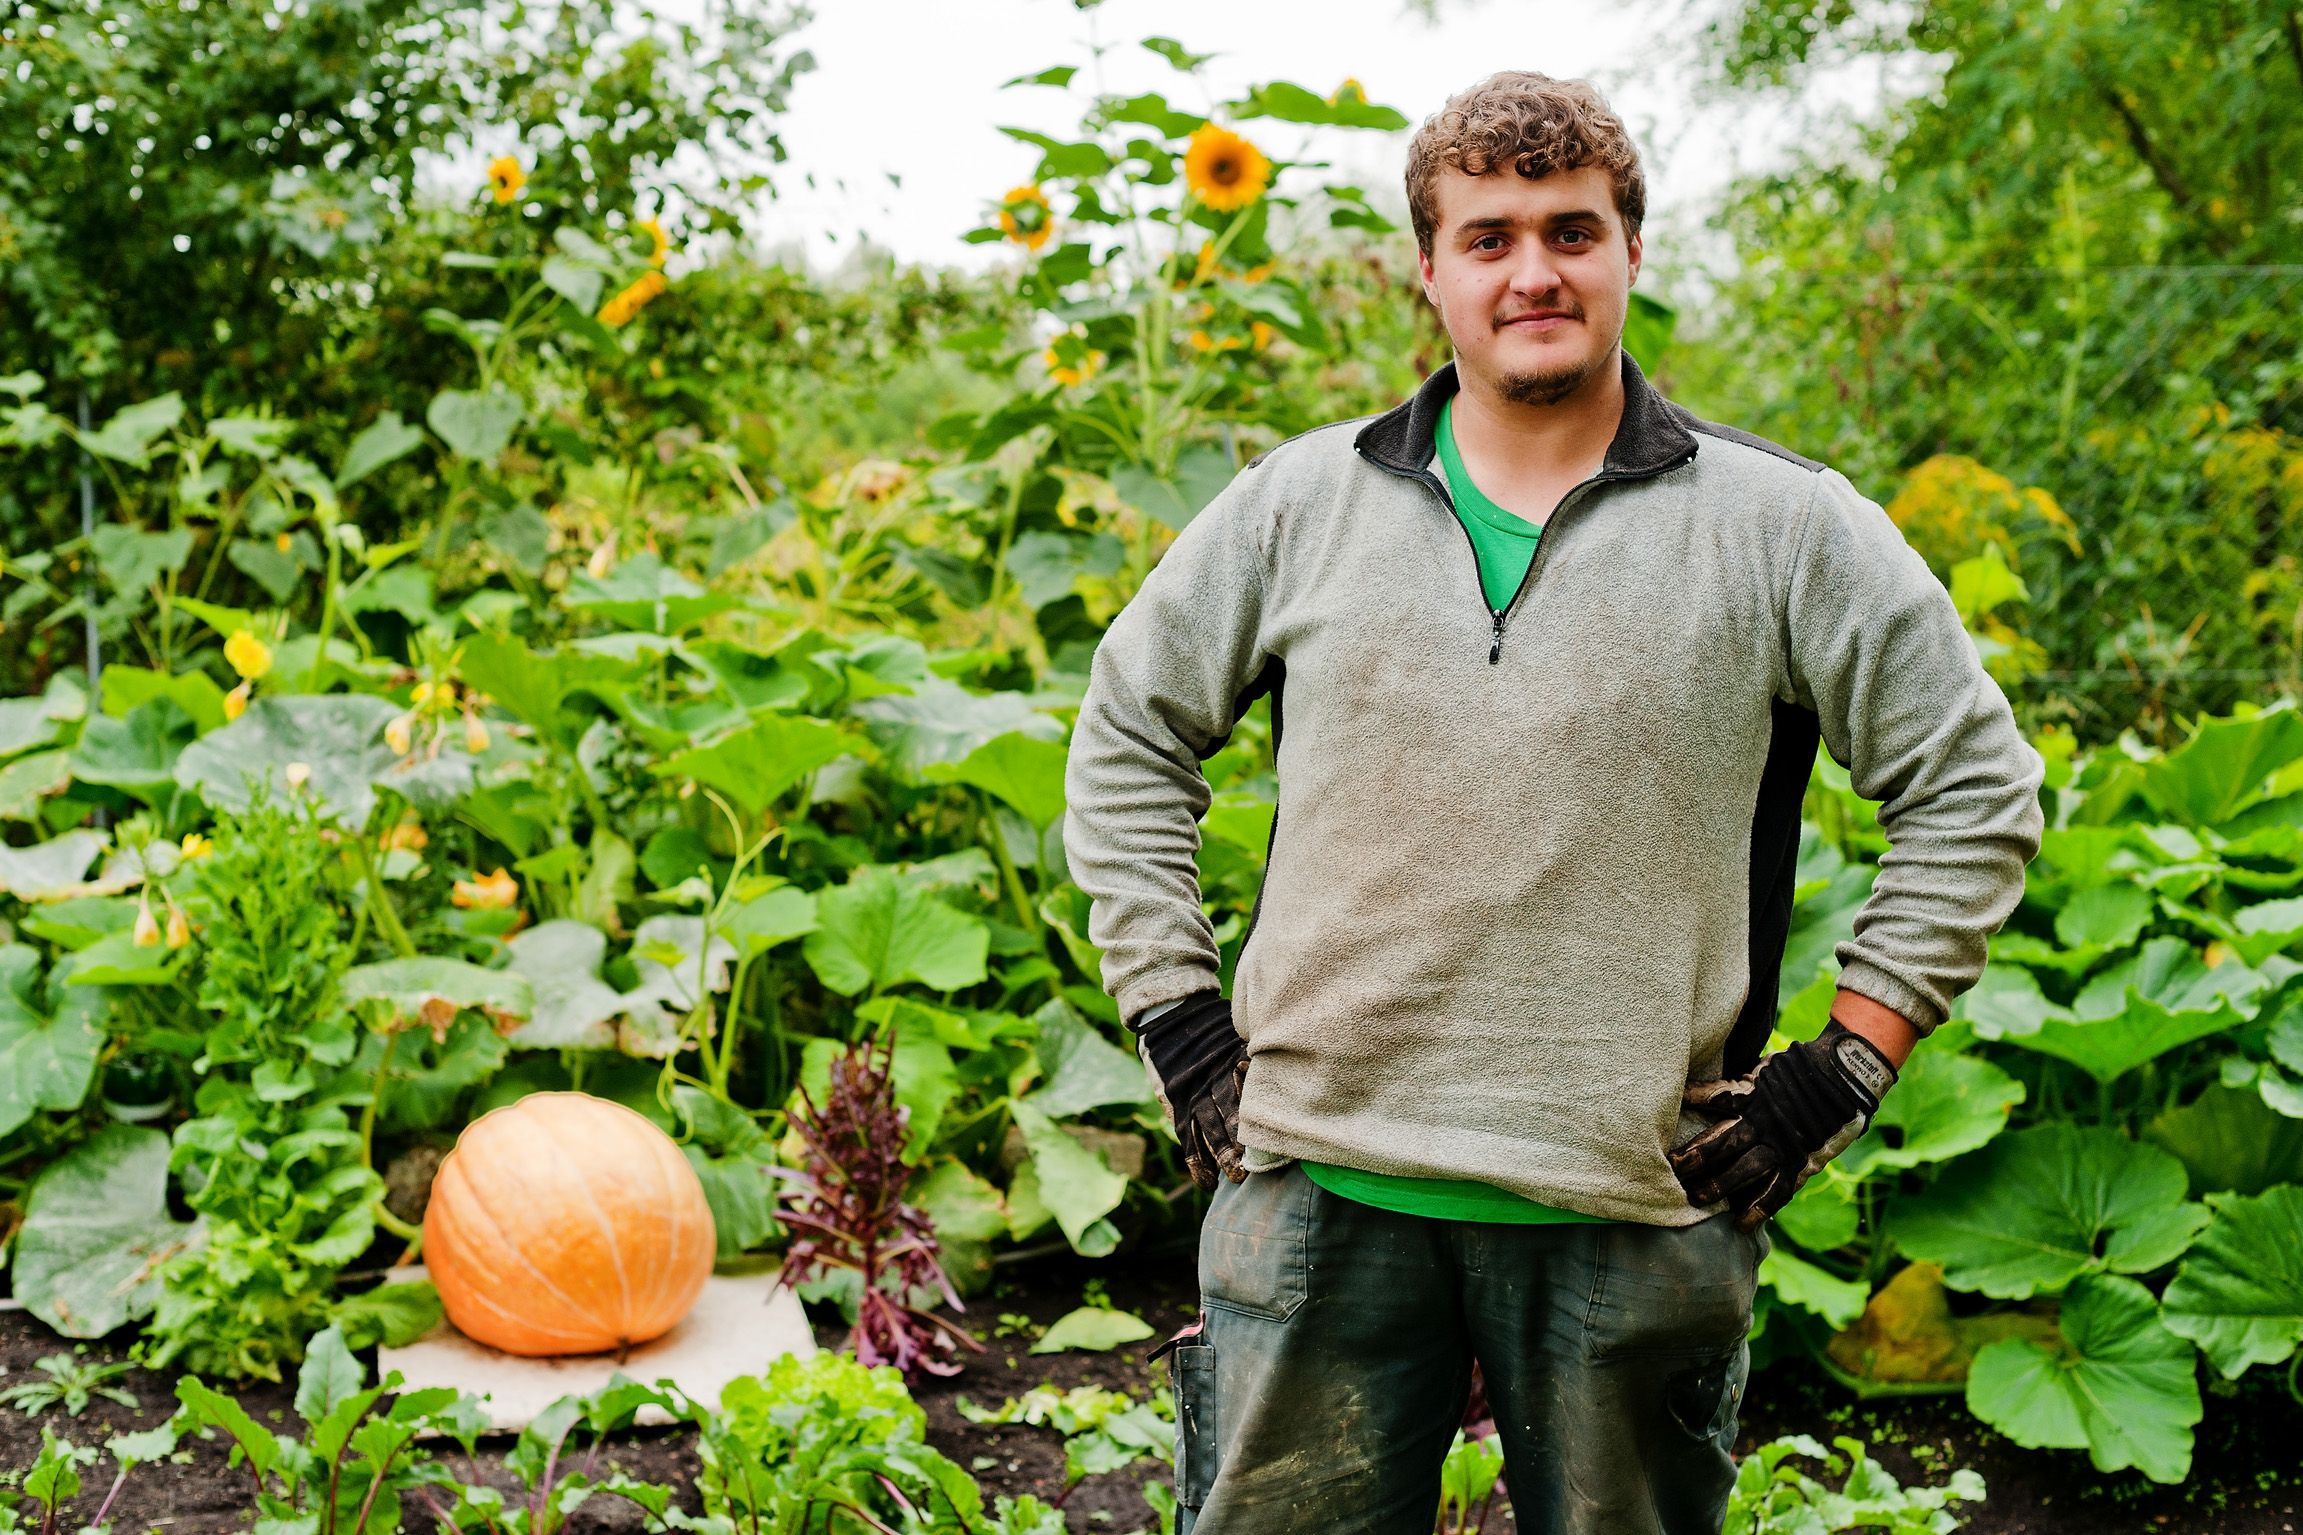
[1192, 1369]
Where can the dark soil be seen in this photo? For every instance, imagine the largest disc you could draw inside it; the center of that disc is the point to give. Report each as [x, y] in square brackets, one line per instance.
[2247, 1477]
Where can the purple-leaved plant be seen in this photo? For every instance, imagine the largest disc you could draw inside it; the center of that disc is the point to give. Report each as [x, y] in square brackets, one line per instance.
[847, 1206]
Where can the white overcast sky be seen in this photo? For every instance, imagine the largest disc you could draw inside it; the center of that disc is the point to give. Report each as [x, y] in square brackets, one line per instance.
[910, 89]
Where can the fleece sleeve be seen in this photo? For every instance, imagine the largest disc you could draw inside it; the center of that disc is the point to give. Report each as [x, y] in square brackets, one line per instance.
[1876, 649]
[1171, 676]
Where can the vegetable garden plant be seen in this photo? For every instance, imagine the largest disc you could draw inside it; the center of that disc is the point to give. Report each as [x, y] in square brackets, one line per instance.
[415, 784]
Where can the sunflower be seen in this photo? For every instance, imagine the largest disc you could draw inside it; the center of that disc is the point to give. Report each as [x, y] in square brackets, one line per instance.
[506, 178]
[1350, 90]
[1223, 170]
[655, 232]
[1074, 372]
[1026, 218]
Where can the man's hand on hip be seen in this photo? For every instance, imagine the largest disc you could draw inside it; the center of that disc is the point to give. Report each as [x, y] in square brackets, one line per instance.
[1201, 1062]
[1776, 1126]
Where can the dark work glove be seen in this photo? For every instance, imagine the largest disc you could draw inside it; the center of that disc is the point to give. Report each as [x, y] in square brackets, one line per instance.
[1775, 1127]
[1200, 1062]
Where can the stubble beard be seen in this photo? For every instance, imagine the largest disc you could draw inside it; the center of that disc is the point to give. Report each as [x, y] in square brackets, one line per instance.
[1548, 386]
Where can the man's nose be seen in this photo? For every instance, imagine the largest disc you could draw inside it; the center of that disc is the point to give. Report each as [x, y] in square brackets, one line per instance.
[1534, 273]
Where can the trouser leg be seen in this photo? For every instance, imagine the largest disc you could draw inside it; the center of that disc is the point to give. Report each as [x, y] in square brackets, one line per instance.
[1332, 1371]
[1615, 1359]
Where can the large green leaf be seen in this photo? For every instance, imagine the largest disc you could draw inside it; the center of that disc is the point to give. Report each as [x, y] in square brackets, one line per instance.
[97, 1233]
[339, 738]
[47, 1052]
[760, 761]
[2106, 916]
[2230, 1142]
[1025, 771]
[2037, 1208]
[136, 753]
[535, 687]
[1944, 1105]
[940, 721]
[572, 1007]
[381, 442]
[2239, 1294]
[1078, 1187]
[2120, 1386]
[133, 559]
[645, 593]
[1797, 1282]
[2220, 770]
[431, 991]
[877, 931]
[2163, 998]
[475, 425]
[57, 869]
[1082, 1069]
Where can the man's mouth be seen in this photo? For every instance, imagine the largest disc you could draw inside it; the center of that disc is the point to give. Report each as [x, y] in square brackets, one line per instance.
[1543, 321]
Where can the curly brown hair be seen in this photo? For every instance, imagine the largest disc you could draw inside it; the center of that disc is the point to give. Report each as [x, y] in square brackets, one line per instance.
[1532, 123]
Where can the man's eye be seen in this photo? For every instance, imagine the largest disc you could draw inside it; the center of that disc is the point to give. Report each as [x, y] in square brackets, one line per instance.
[1481, 242]
[1576, 234]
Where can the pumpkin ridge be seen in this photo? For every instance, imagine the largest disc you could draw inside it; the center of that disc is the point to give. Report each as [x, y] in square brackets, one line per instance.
[610, 1237]
[676, 1240]
[583, 1342]
[478, 1199]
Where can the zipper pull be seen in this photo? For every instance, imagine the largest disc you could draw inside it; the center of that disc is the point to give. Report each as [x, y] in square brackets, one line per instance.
[1495, 651]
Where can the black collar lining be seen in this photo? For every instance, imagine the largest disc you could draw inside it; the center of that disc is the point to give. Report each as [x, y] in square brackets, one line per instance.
[1648, 440]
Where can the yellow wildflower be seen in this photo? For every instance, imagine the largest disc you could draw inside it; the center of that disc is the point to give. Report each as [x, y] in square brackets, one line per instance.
[1026, 218]
[248, 655]
[1262, 332]
[1223, 170]
[196, 846]
[485, 892]
[236, 702]
[1201, 341]
[283, 542]
[1073, 369]
[505, 177]
[655, 232]
[628, 302]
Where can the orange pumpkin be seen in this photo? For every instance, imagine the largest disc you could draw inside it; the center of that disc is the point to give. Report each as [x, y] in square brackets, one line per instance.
[566, 1224]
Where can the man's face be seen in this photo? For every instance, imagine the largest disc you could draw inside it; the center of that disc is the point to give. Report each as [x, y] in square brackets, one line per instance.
[1532, 278]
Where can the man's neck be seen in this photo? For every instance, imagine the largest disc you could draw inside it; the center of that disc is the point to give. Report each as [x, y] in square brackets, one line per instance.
[1538, 446]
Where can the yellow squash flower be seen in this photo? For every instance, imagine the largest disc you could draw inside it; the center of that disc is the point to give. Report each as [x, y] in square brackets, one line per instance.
[408, 836]
[195, 846]
[505, 178]
[236, 701]
[1026, 218]
[485, 892]
[400, 734]
[179, 927]
[147, 932]
[1223, 170]
[475, 734]
[619, 309]
[248, 655]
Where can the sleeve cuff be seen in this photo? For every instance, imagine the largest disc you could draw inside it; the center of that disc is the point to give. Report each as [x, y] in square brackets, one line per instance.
[1889, 992]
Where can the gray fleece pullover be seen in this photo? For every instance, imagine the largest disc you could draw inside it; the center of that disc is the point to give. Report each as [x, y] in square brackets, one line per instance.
[1531, 871]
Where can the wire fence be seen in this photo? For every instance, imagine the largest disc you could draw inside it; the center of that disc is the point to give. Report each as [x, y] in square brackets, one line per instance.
[2129, 439]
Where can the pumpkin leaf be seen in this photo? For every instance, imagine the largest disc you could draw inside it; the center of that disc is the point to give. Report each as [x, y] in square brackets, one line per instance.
[1945, 1104]
[96, 1233]
[755, 764]
[2230, 1142]
[1077, 1186]
[337, 738]
[878, 931]
[1811, 1287]
[1026, 772]
[2116, 1383]
[1092, 1330]
[48, 1048]
[1082, 1069]
[2239, 1294]
[571, 1007]
[431, 991]
[2037, 1208]
[2163, 998]
[937, 720]
[2221, 770]
[645, 593]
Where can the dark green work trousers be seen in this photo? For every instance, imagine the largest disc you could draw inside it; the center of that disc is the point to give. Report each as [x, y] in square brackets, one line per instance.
[1333, 1366]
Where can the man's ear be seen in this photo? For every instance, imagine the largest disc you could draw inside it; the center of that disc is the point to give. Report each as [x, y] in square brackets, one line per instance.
[1632, 244]
[1430, 280]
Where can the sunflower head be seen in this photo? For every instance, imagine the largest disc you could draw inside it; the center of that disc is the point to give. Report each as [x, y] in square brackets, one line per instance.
[505, 178]
[1223, 170]
[1026, 218]
[1070, 361]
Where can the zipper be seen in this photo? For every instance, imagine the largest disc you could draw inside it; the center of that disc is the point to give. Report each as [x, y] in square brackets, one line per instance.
[1497, 616]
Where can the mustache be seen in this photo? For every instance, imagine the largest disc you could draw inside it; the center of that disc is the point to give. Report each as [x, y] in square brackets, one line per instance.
[1571, 311]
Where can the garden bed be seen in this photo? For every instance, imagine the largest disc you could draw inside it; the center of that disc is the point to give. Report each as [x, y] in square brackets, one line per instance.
[2247, 1478]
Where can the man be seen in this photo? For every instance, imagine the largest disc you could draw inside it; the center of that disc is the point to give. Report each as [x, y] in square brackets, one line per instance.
[1552, 657]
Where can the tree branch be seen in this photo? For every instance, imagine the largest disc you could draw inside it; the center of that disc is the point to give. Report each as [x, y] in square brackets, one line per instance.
[2293, 22]
[2162, 169]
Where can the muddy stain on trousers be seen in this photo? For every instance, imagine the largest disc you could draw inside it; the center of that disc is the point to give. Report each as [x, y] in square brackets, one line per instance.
[1327, 1384]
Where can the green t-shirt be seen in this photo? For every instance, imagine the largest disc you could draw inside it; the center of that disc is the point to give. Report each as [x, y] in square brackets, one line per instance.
[1505, 546]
